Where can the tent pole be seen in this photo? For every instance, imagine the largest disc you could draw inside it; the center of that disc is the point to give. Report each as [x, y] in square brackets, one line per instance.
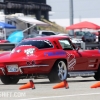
[28, 28]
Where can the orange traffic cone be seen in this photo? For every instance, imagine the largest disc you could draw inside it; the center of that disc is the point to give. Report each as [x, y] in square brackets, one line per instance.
[96, 85]
[61, 85]
[28, 85]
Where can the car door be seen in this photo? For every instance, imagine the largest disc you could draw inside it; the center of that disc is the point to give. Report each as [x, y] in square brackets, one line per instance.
[93, 58]
[75, 60]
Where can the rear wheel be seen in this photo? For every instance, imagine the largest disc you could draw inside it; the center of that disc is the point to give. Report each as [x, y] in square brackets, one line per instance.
[9, 79]
[97, 74]
[59, 72]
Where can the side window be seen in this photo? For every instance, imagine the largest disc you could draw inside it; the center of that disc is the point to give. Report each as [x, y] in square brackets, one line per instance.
[48, 33]
[66, 45]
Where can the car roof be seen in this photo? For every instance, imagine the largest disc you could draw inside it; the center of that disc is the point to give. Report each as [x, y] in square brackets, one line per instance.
[51, 38]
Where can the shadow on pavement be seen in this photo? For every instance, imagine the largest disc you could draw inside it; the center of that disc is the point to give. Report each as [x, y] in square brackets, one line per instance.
[47, 82]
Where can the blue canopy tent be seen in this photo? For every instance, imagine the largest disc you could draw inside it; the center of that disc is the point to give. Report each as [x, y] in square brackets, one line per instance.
[5, 25]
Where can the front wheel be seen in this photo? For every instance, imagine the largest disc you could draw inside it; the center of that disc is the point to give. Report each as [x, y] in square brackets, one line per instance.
[58, 72]
[97, 74]
[9, 79]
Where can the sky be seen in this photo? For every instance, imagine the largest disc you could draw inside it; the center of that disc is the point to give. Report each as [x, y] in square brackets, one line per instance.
[81, 8]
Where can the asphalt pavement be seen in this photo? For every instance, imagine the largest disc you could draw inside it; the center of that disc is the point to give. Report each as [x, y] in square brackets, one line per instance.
[79, 89]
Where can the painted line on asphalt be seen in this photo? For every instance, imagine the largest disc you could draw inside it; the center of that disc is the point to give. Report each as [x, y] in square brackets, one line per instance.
[50, 97]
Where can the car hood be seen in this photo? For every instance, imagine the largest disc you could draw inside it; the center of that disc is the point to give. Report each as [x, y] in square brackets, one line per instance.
[21, 53]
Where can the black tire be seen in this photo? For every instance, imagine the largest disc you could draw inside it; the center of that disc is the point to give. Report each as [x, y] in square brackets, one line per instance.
[53, 75]
[9, 79]
[97, 75]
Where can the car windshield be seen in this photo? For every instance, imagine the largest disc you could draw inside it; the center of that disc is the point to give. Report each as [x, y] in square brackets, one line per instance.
[40, 44]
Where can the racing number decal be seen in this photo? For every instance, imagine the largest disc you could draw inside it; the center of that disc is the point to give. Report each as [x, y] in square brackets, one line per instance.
[29, 52]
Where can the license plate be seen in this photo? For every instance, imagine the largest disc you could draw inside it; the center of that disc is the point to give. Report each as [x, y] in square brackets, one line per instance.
[12, 68]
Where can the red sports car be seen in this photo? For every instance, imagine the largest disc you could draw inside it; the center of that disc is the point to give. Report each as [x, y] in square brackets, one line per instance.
[53, 56]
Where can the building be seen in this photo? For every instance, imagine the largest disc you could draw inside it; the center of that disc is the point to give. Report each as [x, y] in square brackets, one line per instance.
[84, 10]
[11, 9]
[39, 8]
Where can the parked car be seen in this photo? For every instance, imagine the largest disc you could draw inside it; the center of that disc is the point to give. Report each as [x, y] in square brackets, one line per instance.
[74, 40]
[64, 34]
[89, 37]
[53, 56]
[33, 35]
[45, 32]
[77, 34]
[38, 33]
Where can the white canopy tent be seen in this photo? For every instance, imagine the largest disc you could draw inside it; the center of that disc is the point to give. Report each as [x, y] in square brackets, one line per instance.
[21, 21]
[31, 20]
[19, 35]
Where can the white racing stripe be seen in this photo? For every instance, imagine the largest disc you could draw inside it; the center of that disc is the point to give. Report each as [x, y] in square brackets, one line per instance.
[50, 97]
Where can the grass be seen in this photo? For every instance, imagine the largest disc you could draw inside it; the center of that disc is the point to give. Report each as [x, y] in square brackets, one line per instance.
[53, 27]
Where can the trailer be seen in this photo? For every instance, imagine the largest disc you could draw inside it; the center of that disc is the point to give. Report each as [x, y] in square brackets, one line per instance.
[23, 23]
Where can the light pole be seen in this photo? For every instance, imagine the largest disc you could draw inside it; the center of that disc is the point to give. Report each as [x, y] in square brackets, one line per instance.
[71, 13]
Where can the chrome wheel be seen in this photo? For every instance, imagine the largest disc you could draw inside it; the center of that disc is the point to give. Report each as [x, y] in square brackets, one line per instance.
[62, 72]
[58, 72]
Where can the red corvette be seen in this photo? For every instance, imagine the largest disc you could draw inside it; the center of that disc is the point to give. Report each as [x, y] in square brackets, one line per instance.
[53, 56]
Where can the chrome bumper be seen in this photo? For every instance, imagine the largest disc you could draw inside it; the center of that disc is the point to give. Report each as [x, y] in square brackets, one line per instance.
[21, 67]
